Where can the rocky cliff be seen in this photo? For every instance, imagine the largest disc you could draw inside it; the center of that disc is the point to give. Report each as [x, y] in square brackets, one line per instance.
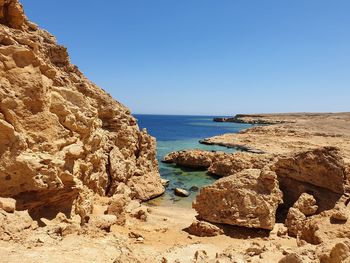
[62, 138]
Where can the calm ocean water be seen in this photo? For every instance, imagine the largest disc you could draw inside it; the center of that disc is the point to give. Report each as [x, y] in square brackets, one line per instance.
[175, 133]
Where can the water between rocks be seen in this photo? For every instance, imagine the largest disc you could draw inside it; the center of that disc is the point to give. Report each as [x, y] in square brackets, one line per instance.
[175, 132]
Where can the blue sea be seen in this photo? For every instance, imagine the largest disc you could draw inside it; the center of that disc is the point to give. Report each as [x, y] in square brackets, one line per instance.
[175, 133]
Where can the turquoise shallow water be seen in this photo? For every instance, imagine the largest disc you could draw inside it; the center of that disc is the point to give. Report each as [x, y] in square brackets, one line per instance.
[175, 133]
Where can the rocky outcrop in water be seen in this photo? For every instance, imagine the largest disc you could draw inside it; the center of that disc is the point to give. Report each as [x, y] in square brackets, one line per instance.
[254, 119]
[191, 158]
[62, 138]
[218, 163]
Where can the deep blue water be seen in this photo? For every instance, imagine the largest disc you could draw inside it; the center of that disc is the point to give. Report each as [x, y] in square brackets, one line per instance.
[175, 133]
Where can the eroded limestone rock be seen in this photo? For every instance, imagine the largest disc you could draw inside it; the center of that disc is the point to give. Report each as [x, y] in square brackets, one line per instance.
[323, 167]
[62, 138]
[204, 229]
[218, 163]
[13, 224]
[190, 158]
[249, 198]
[295, 220]
[306, 204]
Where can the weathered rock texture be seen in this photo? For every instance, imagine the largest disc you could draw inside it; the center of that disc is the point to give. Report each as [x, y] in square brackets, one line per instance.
[249, 198]
[323, 167]
[218, 163]
[62, 139]
[312, 181]
[306, 204]
[204, 229]
[190, 158]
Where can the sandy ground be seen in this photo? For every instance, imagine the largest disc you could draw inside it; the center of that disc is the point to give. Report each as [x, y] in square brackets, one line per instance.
[164, 238]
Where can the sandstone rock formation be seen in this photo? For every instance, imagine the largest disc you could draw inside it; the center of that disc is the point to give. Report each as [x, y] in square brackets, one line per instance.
[13, 223]
[306, 204]
[62, 139]
[218, 163]
[336, 252]
[204, 229]
[249, 198]
[11, 13]
[323, 167]
[312, 181]
[194, 158]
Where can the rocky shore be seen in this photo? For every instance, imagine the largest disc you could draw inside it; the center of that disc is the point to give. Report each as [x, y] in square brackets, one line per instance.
[297, 132]
[297, 177]
[75, 170]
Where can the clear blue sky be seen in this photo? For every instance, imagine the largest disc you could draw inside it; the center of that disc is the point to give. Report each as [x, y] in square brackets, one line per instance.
[208, 57]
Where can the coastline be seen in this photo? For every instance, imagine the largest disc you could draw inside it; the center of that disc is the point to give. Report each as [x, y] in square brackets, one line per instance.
[78, 177]
[306, 155]
[293, 133]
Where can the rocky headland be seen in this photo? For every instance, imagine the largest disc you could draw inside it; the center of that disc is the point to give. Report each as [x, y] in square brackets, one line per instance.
[75, 169]
[295, 132]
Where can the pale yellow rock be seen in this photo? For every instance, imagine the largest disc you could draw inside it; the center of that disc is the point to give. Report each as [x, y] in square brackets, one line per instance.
[103, 222]
[8, 204]
[295, 220]
[62, 138]
[245, 199]
[306, 204]
[323, 167]
[337, 251]
[204, 229]
[12, 224]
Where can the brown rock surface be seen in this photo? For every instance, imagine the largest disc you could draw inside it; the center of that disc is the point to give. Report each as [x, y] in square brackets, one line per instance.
[295, 220]
[204, 229]
[218, 163]
[190, 158]
[62, 139]
[11, 13]
[323, 167]
[249, 198]
[337, 251]
[228, 164]
[306, 204]
[12, 225]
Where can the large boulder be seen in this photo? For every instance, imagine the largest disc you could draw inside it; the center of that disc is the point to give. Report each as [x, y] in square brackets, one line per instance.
[323, 167]
[249, 198]
[62, 138]
[225, 164]
[190, 158]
